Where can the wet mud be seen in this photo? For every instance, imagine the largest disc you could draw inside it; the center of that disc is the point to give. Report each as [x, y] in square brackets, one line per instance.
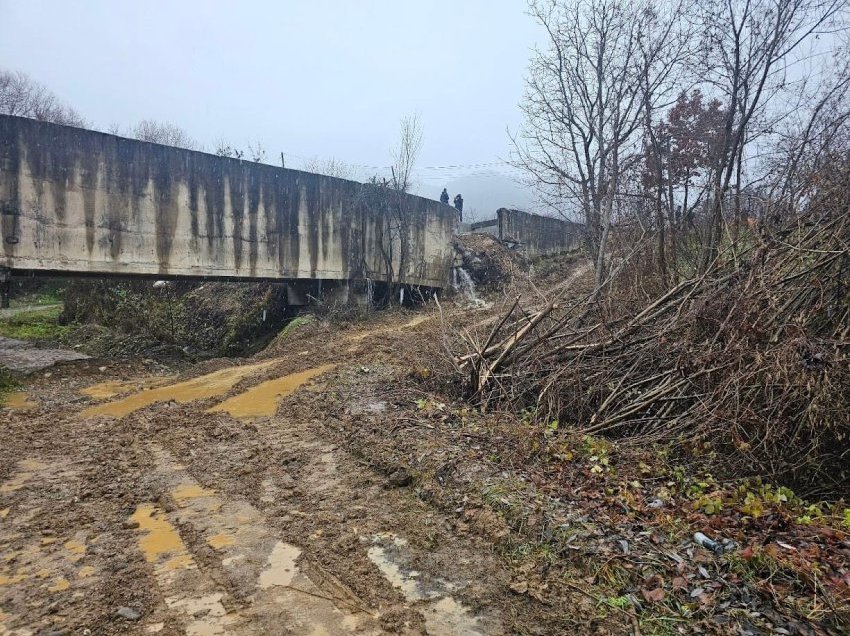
[218, 504]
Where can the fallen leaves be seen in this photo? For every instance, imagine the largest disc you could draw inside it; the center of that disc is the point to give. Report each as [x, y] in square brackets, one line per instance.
[653, 596]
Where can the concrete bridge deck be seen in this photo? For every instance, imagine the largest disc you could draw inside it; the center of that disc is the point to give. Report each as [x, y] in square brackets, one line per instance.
[77, 201]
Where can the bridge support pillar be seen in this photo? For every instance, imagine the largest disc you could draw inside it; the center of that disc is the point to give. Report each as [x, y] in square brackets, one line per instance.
[5, 287]
[346, 293]
[296, 294]
[338, 292]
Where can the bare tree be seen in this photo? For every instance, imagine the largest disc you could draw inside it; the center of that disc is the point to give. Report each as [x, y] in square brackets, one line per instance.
[331, 167]
[163, 133]
[749, 48]
[224, 149]
[406, 153]
[388, 197]
[818, 135]
[22, 96]
[257, 152]
[607, 64]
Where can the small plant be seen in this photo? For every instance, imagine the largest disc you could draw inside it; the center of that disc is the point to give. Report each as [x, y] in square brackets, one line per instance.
[7, 385]
[38, 325]
[710, 505]
[621, 602]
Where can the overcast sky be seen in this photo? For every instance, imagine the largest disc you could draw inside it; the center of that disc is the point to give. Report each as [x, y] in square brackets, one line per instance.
[308, 77]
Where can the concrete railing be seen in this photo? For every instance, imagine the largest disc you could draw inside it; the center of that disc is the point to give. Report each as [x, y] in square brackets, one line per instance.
[80, 201]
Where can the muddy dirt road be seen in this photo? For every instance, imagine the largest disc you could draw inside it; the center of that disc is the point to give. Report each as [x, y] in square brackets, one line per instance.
[135, 501]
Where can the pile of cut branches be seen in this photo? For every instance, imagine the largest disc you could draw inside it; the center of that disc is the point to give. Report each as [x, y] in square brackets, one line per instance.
[748, 363]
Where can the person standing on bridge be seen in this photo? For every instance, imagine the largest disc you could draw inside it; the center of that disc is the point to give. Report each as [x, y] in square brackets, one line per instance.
[444, 197]
[459, 205]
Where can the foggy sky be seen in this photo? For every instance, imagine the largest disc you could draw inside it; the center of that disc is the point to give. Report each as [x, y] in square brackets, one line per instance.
[308, 78]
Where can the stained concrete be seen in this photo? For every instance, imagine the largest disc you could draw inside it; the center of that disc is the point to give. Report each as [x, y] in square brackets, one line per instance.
[75, 200]
[538, 235]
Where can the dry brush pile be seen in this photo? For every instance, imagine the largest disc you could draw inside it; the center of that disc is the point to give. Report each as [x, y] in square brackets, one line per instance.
[747, 365]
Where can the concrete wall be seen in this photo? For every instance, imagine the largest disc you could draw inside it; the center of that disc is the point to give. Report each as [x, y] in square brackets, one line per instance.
[490, 226]
[538, 235]
[74, 200]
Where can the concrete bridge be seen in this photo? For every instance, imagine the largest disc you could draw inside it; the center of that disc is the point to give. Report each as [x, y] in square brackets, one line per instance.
[75, 201]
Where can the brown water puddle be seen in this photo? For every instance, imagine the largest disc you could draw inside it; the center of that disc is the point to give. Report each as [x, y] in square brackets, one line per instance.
[202, 387]
[19, 401]
[187, 591]
[262, 400]
[27, 469]
[253, 560]
[161, 542]
[113, 388]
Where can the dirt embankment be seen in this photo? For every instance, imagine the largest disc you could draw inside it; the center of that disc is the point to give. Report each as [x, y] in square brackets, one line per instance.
[200, 320]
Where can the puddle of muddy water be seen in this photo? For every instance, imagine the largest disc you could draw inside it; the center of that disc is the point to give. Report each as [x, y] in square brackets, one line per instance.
[27, 469]
[280, 568]
[406, 581]
[444, 616]
[262, 400]
[210, 616]
[205, 386]
[253, 560]
[160, 538]
[113, 388]
[174, 568]
[19, 401]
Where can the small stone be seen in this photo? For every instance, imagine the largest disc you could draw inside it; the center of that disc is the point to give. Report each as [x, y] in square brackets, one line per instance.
[130, 524]
[128, 613]
[400, 478]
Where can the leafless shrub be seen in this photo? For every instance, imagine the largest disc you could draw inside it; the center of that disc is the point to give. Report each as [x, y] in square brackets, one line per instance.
[163, 133]
[331, 167]
[747, 361]
[22, 96]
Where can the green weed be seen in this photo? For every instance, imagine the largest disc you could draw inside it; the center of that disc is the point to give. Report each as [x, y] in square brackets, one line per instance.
[37, 325]
[8, 383]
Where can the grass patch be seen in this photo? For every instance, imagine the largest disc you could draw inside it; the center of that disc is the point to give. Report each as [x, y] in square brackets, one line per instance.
[37, 325]
[46, 292]
[291, 327]
[8, 384]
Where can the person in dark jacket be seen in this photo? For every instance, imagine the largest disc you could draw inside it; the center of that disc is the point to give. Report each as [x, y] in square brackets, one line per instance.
[459, 205]
[444, 197]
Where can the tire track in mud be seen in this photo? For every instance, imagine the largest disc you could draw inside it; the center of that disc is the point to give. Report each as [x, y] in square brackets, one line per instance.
[214, 555]
[243, 542]
[259, 586]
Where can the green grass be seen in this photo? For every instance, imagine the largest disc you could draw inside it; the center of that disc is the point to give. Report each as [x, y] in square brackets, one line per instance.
[49, 293]
[291, 326]
[36, 325]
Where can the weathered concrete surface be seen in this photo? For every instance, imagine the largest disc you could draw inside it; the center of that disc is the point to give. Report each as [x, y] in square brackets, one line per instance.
[24, 357]
[74, 200]
[491, 226]
[538, 235]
